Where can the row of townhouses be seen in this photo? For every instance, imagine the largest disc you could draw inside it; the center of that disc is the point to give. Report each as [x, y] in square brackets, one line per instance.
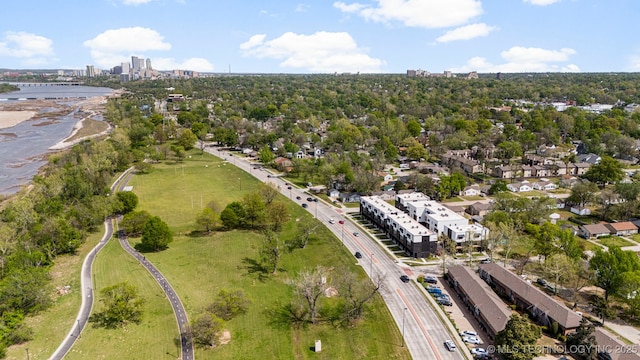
[416, 222]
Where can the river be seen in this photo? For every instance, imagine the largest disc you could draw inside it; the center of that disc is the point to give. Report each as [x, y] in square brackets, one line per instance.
[23, 148]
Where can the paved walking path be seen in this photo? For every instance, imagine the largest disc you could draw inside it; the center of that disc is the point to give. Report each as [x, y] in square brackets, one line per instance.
[87, 288]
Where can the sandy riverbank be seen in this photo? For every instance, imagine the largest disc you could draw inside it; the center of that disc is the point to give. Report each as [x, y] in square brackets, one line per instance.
[12, 118]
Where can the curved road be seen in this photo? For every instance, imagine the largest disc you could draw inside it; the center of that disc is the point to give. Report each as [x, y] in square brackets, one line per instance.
[87, 288]
[420, 320]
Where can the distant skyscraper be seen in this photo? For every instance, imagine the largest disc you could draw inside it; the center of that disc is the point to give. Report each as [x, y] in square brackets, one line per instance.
[125, 67]
[149, 64]
[91, 72]
[135, 63]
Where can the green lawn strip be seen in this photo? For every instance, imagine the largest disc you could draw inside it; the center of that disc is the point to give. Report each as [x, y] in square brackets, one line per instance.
[609, 241]
[199, 267]
[153, 338]
[51, 326]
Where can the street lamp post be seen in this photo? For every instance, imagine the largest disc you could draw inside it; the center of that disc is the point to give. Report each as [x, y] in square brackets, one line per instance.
[78, 321]
[27, 349]
[403, 312]
[240, 182]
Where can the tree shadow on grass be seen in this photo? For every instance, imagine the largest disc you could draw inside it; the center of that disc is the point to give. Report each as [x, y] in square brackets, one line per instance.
[286, 316]
[146, 249]
[254, 268]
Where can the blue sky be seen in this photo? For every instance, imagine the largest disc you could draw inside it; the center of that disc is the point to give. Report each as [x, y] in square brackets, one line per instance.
[324, 36]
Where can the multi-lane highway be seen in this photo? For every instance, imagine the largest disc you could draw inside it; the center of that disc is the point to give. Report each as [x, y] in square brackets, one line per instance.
[423, 330]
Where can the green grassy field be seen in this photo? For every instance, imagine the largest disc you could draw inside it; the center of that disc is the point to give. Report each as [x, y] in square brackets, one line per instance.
[198, 267]
[609, 241]
[153, 338]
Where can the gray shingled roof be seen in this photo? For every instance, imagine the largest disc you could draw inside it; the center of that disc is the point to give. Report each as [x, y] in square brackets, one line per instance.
[616, 348]
[480, 293]
[565, 317]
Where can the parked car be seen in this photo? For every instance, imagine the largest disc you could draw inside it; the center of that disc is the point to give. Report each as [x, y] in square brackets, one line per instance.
[430, 279]
[358, 255]
[405, 278]
[450, 345]
[443, 297]
[434, 291]
[542, 282]
[444, 302]
[470, 333]
[485, 261]
[478, 351]
[471, 340]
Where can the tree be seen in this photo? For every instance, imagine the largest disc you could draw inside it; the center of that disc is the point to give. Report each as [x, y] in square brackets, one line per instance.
[121, 305]
[277, 214]
[414, 128]
[609, 267]
[233, 216]
[156, 234]
[207, 219]
[519, 333]
[269, 192]
[205, 329]
[498, 186]
[265, 155]
[229, 304]
[581, 342]
[133, 222]
[270, 251]
[310, 286]
[556, 267]
[254, 208]
[582, 193]
[629, 292]
[356, 292]
[608, 170]
[187, 139]
[545, 237]
[127, 201]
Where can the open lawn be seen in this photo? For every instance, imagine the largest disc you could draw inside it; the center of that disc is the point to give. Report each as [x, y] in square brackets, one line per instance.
[609, 241]
[198, 267]
[153, 338]
[51, 326]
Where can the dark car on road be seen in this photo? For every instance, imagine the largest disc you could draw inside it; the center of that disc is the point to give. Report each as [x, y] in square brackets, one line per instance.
[341, 222]
[305, 206]
[309, 199]
[298, 197]
[358, 255]
[405, 278]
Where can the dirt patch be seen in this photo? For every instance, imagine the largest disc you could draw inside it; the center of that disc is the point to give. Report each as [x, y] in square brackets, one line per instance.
[225, 338]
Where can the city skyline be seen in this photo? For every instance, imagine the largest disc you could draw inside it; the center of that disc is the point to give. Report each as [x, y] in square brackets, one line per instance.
[366, 36]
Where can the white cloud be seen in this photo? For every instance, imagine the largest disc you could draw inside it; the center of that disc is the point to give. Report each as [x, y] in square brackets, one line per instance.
[31, 48]
[541, 2]
[416, 13]
[196, 64]
[112, 46]
[634, 63]
[323, 52]
[466, 32]
[522, 59]
[135, 2]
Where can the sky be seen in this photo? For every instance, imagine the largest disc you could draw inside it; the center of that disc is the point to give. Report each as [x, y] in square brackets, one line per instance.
[324, 36]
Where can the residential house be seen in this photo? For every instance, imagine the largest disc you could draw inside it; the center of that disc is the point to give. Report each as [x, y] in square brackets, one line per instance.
[385, 195]
[543, 308]
[522, 186]
[462, 160]
[473, 190]
[479, 209]
[568, 180]
[544, 185]
[581, 168]
[542, 170]
[283, 164]
[593, 231]
[333, 193]
[623, 228]
[349, 197]
[589, 158]
[487, 307]
[504, 171]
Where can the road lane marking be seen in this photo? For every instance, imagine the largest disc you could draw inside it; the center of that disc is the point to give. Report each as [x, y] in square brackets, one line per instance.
[417, 319]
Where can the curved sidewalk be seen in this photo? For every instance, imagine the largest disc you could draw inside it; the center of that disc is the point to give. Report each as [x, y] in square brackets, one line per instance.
[176, 304]
[87, 295]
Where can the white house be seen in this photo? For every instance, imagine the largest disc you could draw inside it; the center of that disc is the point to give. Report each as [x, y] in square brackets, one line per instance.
[544, 185]
[579, 210]
[523, 186]
[473, 190]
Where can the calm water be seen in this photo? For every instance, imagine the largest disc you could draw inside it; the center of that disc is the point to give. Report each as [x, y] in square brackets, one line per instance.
[23, 148]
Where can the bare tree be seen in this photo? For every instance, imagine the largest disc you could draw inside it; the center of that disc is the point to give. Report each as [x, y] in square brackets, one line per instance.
[357, 292]
[305, 229]
[310, 286]
[268, 192]
[270, 251]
